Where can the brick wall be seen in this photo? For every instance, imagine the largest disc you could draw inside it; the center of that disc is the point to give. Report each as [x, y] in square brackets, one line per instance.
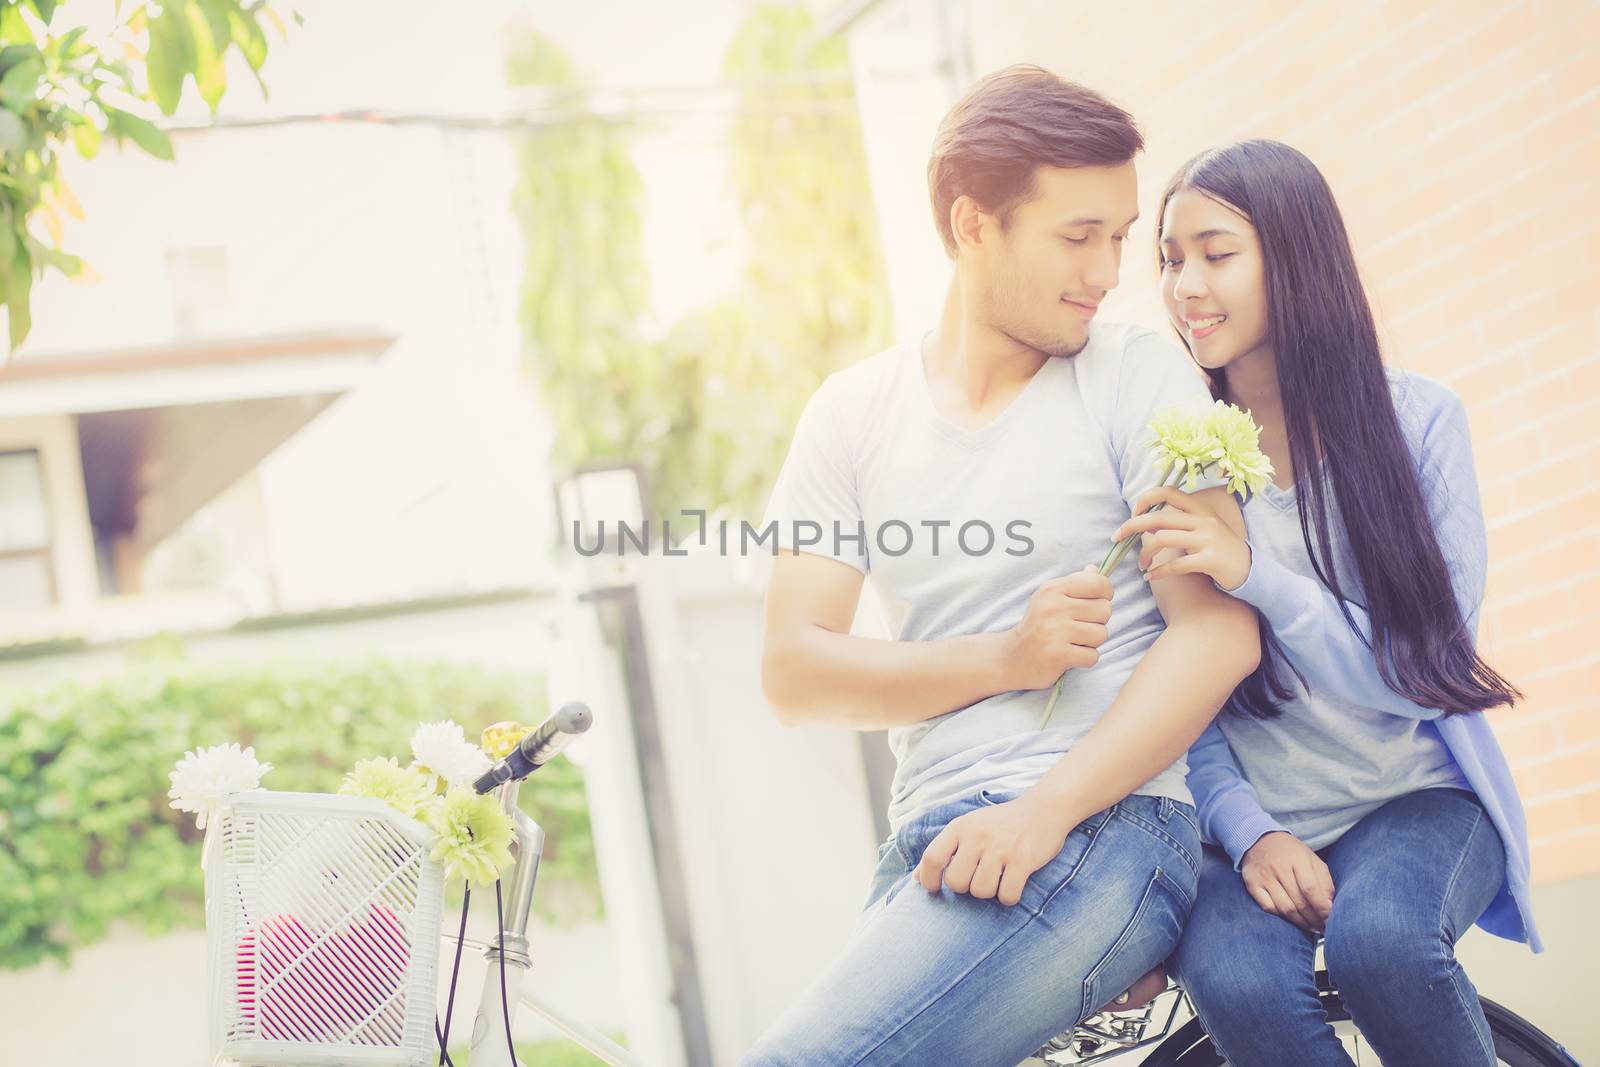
[1463, 141]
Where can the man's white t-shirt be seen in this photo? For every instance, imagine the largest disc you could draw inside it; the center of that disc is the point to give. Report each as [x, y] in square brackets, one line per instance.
[906, 497]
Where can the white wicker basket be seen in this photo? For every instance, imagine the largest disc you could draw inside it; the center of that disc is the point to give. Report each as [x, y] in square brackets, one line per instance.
[322, 925]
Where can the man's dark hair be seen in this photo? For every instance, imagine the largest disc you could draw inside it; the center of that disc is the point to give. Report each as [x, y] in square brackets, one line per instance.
[1012, 122]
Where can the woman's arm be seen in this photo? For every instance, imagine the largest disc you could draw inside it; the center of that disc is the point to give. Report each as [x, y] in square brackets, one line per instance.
[1280, 871]
[1230, 812]
[1305, 617]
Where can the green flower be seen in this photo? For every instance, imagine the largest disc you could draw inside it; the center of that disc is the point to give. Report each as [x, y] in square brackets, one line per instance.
[1182, 440]
[474, 835]
[1237, 448]
[405, 789]
[1192, 441]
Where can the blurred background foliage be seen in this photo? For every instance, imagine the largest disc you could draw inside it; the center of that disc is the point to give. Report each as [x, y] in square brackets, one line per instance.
[709, 407]
[61, 87]
[89, 836]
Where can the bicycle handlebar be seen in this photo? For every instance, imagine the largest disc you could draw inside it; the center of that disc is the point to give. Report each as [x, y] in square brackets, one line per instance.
[542, 744]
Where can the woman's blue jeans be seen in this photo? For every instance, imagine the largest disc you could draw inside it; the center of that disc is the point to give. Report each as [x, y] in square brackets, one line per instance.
[950, 978]
[1409, 880]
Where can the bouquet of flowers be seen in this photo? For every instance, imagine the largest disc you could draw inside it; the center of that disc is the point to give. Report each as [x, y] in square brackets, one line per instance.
[1187, 445]
[473, 831]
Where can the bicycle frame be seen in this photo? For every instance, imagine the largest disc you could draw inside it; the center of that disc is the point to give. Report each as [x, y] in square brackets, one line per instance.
[488, 1044]
[1105, 1035]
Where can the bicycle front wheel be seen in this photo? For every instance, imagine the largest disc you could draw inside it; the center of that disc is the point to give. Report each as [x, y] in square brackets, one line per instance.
[1517, 1042]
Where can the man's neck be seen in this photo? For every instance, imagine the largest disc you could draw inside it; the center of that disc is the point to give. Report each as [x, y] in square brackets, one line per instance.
[968, 360]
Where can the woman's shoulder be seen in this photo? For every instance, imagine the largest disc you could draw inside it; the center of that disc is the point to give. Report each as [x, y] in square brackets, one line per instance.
[1424, 405]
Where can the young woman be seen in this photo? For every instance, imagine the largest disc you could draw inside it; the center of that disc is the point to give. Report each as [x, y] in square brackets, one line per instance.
[1351, 789]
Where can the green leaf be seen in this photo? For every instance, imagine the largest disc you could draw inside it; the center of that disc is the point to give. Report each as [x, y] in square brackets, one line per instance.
[19, 282]
[142, 133]
[12, 54]
[86, 136]
[209, 76]
[45, 9]
[8, 241]
[64, 262]
[62, 46]
[250, 38]
[172, 54]
[20, 85]
[13, 27]
[13, 135]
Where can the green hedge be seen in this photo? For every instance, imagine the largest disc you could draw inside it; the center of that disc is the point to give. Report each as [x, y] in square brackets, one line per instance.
[86, 833]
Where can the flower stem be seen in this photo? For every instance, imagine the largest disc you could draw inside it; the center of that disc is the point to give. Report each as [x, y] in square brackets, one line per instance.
[1113, 557]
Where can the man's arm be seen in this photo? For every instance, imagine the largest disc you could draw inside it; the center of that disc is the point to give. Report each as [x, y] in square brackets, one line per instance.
[815, 672]
[1211, 644]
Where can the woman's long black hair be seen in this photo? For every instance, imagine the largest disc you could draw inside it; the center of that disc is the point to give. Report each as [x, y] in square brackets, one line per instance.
[1337, 405]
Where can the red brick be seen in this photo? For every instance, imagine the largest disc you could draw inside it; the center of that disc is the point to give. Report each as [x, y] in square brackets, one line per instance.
[1523, 742]
[1560, 774]
[1553, 817]
[1560, 688]
[1581, 726]
[1566, 857]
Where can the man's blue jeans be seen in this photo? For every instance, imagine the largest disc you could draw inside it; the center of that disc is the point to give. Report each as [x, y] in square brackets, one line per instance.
[1409, 880]
[950, 978]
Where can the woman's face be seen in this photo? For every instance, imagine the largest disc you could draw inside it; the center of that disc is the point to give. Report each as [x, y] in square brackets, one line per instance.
[1213, 278]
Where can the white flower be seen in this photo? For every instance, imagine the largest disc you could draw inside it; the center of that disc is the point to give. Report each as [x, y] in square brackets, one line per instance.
[201, 780]
[443, 749]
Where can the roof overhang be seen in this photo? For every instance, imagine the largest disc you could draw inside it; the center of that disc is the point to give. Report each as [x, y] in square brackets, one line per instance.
[189, 372]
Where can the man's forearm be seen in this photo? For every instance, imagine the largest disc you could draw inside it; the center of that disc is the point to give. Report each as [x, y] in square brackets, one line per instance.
[822, 678]
[1174, 692]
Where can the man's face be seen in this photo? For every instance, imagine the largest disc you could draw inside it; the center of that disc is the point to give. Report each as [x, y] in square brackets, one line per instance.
[1046, 273]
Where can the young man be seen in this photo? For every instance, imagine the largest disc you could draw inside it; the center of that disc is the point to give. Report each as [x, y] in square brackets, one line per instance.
[1033, 873]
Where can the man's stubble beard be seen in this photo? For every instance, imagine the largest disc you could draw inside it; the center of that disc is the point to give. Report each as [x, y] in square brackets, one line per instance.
[1006, 318]
[1005, 321]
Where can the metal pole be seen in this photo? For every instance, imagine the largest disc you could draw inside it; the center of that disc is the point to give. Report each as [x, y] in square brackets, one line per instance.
[623, 625]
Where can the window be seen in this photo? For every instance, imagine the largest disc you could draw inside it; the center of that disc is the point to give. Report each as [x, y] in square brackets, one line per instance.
[202, 291]
[26, 580]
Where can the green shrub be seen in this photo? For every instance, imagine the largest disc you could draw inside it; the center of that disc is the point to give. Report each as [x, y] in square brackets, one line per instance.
[87, 835]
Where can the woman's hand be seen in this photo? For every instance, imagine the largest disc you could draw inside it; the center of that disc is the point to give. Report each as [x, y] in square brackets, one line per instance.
[1289, 880]
[991, 852]
[1191, 527]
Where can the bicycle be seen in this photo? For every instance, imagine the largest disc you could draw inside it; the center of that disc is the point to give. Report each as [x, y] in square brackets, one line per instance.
[1107, 1034]
[507, 959]
[320, 915]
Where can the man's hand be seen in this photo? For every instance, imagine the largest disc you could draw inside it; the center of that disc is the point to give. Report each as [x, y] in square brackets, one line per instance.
[1064, 625]
[1289, 880]
[991, 853]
